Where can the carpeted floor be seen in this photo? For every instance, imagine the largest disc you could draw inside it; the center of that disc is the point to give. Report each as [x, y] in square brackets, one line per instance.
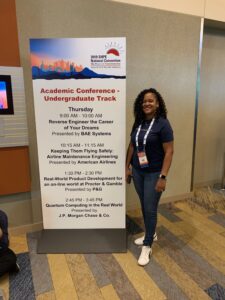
[188, 262]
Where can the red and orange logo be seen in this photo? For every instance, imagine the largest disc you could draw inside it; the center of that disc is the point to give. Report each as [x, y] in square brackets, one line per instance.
[113, 51]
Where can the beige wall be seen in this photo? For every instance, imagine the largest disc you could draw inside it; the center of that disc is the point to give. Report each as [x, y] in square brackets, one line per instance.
[209, 9]
[162, 51]
[18, 208]
[210, 147]
[215, 10]
[190, 7]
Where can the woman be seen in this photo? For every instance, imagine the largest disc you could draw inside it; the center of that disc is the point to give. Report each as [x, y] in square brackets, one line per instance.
[150, 153]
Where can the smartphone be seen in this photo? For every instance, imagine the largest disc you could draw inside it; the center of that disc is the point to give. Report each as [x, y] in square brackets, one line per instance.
[129, 179]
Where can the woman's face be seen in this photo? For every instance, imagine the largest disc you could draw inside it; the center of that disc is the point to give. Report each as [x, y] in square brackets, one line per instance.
[150, 104]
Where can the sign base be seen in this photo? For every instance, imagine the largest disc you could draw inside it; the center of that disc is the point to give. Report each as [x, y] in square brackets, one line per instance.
[82, 241]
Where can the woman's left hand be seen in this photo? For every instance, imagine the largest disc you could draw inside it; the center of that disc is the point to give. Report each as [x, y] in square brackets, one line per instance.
[160, 185]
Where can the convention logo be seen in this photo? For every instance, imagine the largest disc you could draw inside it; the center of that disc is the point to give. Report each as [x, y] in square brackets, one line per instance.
[110, 59]
[114, 48]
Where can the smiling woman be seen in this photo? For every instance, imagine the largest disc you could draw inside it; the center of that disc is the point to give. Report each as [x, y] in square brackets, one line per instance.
[150, 154]
[150, 105]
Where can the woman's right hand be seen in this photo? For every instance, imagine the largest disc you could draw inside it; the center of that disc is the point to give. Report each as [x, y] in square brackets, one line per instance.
[128, 175]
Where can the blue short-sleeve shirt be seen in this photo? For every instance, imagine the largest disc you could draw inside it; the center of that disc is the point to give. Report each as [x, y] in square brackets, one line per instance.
[160, 133]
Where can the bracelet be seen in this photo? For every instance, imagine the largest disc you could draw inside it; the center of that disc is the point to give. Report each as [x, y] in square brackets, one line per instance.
[161, 176]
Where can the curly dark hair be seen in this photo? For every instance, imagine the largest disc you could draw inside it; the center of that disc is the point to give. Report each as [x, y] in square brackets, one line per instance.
[138, 110]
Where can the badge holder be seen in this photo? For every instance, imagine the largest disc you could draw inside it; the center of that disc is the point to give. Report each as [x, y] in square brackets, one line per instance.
[143, 161]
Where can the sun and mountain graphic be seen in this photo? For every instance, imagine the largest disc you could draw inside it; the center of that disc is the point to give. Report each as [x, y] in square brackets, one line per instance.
[50, 66]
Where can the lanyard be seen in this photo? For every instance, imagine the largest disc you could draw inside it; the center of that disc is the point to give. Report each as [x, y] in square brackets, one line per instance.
[146, 135]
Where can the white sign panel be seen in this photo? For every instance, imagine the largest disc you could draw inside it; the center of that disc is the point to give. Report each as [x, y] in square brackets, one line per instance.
[79, 95]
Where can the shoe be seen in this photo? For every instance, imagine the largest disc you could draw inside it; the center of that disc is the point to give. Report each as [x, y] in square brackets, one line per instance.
[145, 255]
[16, 268]
[139, 241]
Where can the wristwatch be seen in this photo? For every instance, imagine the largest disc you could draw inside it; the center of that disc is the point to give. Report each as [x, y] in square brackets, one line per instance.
[162, 176]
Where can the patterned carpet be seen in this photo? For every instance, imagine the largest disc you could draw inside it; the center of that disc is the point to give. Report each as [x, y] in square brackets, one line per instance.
[188, 262]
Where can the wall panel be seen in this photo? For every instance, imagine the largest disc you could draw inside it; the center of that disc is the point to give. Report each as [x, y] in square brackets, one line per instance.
[9, 50]
[210, 146]
[18, 208]
[15, 173]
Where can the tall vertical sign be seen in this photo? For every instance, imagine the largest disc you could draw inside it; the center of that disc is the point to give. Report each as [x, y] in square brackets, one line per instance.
[79, 96]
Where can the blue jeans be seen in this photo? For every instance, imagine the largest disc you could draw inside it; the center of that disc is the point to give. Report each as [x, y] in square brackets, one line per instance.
[145, 183]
